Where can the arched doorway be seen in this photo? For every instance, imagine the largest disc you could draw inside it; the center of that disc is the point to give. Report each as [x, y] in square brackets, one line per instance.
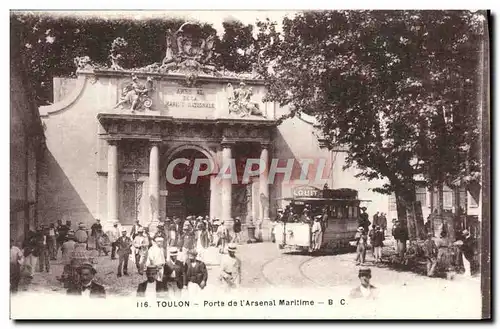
[188, 199]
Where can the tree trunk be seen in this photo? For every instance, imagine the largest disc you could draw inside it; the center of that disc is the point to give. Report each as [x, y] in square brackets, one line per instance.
[401, 207]
[440, 205]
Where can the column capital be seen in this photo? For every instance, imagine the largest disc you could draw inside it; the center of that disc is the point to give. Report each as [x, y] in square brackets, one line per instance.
[113, 141]
[155, 142]
[227, 144]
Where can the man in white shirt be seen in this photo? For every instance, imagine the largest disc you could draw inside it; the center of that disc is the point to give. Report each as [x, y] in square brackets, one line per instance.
[156, 257]
[230, 267]
[151, 288]
[114, 234]
[141, 244]
[365, 290]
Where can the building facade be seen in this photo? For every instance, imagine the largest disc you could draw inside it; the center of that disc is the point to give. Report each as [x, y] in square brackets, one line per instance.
[119, 144]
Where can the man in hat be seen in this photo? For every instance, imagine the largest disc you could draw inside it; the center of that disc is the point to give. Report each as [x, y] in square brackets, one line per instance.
[361, 241]
[87, 287]
[317, 233]
[62, 231]
[156, 257]
[365, 289]
[68, 247]
[141, 245]
[230, 268]
[51, 241]
[364, 222]
[123, 245]
[468, 249]
[378, 243]
[135, 229]
[174, 273]
[81, 234]
[430, 252]
[114, 233]
[42, 247]
[237, 230]
[222, 236]
[152, 288]
[196, 274]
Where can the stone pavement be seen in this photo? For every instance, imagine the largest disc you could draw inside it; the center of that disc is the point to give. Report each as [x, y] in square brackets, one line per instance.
[263, 265]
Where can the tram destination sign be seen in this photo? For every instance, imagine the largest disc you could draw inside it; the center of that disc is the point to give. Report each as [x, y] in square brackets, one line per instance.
[307, 192]
[182, 97]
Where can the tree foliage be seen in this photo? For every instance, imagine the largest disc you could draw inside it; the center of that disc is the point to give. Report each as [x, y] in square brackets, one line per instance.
[49, 44]
[397, 88]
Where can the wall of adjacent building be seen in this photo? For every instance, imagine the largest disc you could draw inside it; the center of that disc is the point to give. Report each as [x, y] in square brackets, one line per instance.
[297, 139]
[25, 144]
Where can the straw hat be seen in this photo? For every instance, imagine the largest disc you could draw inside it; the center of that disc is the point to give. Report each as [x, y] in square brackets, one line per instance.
[231, 247]
[173, 251]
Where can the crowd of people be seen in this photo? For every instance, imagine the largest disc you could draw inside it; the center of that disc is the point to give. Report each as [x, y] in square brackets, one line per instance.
[434, 251]
[172, 250]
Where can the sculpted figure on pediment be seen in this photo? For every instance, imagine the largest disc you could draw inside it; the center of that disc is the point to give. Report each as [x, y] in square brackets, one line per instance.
[240, 102]
[135, 95]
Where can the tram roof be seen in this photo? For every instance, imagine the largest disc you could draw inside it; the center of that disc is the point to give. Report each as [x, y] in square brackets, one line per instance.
[319, 199]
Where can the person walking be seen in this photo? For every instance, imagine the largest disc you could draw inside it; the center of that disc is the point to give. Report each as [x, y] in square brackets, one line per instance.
[114, 233]
[230, 269]
[378, 243]
[174, 274]
[365, 290]
[317, 233]
[141, 246]
[135, 229]
[222, 237]
[383, 223]
[361, 241]
[52, 241]
[43, 250]
[16, 259]
[123, 246]
[156, 257]
[196, 276]
[431, 253]
[152, 288]
[237, 230]
[468, 249]
[68, 247]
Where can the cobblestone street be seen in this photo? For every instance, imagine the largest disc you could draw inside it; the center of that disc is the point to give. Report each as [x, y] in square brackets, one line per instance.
[263, 265]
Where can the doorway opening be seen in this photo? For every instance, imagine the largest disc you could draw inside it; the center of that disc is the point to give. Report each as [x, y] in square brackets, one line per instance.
[188, 199]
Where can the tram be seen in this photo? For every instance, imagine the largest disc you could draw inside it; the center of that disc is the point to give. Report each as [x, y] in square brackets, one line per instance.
[340, 211]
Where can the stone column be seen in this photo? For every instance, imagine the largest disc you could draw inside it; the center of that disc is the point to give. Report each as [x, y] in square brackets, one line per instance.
[112, 181]
[154, 182]
[214, 189]
[264, 193]
[226, 188]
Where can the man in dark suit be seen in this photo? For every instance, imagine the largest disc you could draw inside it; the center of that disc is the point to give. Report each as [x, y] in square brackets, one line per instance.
[196, 274]
[151, 288]
[173, 274]
[87, 287]
[365, 290]
[123, 243]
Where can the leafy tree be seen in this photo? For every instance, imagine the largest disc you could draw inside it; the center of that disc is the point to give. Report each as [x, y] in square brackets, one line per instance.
[49, 44]
[236, 48]
[377, 82]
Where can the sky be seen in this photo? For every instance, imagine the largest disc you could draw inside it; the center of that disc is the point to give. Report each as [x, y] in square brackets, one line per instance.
[216, 18]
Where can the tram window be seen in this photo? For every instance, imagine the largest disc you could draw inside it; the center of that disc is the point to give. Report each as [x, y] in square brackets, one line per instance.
[339, 212]
[355, 212]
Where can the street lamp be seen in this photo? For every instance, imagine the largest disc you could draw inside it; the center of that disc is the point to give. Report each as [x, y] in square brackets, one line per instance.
[135, 177]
